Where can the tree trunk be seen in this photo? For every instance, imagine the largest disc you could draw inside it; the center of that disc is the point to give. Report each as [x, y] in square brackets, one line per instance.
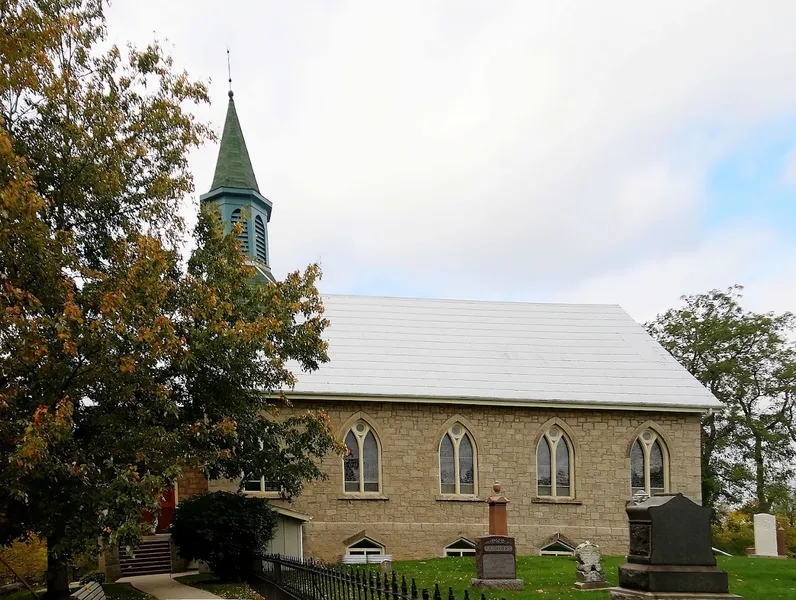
[57, 573]
[710, 485]
[763, 503]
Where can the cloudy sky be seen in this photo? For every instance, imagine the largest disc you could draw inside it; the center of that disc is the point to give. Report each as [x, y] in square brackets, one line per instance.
[621, 152]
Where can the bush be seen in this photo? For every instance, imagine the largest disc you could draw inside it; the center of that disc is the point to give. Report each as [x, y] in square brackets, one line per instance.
[28, 558]
[224, 530]
[97, 576]
[735, 534]
[85, 562]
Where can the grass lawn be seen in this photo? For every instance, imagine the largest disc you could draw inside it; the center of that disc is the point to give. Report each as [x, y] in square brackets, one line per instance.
[24, 594]
[124, 591]
[114, 591]
[552, 577]
[225, 590]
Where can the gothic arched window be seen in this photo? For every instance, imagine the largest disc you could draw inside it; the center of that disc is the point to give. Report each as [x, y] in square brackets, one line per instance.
[260, 246]
[362, 461]
[554, 464]
[457, 461]
[243, 236]
[649, 464]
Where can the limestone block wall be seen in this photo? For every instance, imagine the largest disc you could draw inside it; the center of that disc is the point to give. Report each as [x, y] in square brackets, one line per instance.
[413, 520]
[192, 483]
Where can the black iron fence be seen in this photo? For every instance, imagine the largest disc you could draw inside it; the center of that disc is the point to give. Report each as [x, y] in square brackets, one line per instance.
[312, 580]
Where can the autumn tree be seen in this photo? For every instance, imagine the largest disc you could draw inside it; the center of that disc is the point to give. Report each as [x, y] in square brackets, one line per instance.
[121, 363]
[747, 361]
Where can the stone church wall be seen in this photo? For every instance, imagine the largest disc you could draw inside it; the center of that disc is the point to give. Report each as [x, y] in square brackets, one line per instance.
[412, 520]
[192, 483]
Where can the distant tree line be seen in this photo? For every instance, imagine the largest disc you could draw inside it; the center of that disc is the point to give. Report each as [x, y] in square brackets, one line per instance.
[748, 361]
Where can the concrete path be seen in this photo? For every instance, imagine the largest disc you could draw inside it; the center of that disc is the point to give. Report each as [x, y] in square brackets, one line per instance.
[163, 587]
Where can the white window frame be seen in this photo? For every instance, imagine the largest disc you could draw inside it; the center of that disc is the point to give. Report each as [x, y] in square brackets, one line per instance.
[554, 434]
[262, 489]
[456, 439]
[449, 551]
[544, 552]
[376, 550]
[647, 442]
[360, 436]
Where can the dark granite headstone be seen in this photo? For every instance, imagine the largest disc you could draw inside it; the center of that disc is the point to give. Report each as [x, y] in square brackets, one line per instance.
[670, 548]
[495, 557]
[782, 543]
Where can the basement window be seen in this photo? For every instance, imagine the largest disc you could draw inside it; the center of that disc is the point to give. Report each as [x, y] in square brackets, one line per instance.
[365, 547]
[558, 548]
[461, 547]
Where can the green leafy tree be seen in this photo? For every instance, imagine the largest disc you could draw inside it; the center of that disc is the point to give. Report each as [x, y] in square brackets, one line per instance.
[747, 361]
[224, 530]
[120, 363]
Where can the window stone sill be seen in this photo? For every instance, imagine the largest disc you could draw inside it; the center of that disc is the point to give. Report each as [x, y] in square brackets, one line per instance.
[553, 500]
[457, 498]
[273, 495]
[366, 496]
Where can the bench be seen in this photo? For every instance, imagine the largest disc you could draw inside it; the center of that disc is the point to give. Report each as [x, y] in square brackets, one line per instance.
[90, 591]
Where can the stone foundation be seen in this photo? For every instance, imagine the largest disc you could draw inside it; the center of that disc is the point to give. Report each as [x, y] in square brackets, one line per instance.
[109, 562]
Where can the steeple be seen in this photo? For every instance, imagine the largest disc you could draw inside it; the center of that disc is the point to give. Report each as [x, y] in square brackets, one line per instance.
[233, 167]
[236, 193]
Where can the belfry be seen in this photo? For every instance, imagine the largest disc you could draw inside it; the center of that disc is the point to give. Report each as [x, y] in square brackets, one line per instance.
[235, 192]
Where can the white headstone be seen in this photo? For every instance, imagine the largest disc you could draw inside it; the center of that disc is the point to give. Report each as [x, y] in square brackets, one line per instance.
[765, 535]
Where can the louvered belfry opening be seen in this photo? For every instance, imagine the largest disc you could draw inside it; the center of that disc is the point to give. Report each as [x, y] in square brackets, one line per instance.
[259, 239]
[243, 236]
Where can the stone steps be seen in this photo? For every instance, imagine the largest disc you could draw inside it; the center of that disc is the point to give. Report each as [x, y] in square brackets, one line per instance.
[152, 557]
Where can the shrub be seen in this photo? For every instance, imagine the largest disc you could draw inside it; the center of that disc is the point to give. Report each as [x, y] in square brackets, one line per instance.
[85, 562]
[735, 534]
[28, 558]
[224, 530]
[97, 576]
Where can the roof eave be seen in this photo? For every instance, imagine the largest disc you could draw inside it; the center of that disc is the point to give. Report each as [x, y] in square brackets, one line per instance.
[506, 402]
[254, 196]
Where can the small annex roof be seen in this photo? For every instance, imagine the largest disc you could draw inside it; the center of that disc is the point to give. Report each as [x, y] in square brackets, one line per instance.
[292, 514]
[408, 349]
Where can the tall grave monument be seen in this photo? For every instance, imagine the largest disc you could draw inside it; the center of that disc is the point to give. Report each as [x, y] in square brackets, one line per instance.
[765, 535]
[671, 553]
[496, 553]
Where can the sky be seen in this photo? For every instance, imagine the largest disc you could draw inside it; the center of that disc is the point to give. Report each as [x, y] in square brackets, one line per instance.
[616, 152]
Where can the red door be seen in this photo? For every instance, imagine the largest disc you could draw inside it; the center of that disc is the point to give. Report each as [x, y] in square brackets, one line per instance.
[166, 516]
[167, 506]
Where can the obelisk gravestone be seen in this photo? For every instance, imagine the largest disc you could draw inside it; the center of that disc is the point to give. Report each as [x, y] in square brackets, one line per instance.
[496, 553]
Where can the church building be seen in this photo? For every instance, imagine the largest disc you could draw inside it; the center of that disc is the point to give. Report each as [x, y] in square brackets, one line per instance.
[572, 408]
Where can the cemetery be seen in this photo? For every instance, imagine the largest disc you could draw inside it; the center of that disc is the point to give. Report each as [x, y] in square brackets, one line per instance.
[670, 556]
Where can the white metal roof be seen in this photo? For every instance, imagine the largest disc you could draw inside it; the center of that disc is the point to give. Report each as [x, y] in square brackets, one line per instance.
[496, 352]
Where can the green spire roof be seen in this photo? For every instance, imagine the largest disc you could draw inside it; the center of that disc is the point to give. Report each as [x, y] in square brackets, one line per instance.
[233, 168]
